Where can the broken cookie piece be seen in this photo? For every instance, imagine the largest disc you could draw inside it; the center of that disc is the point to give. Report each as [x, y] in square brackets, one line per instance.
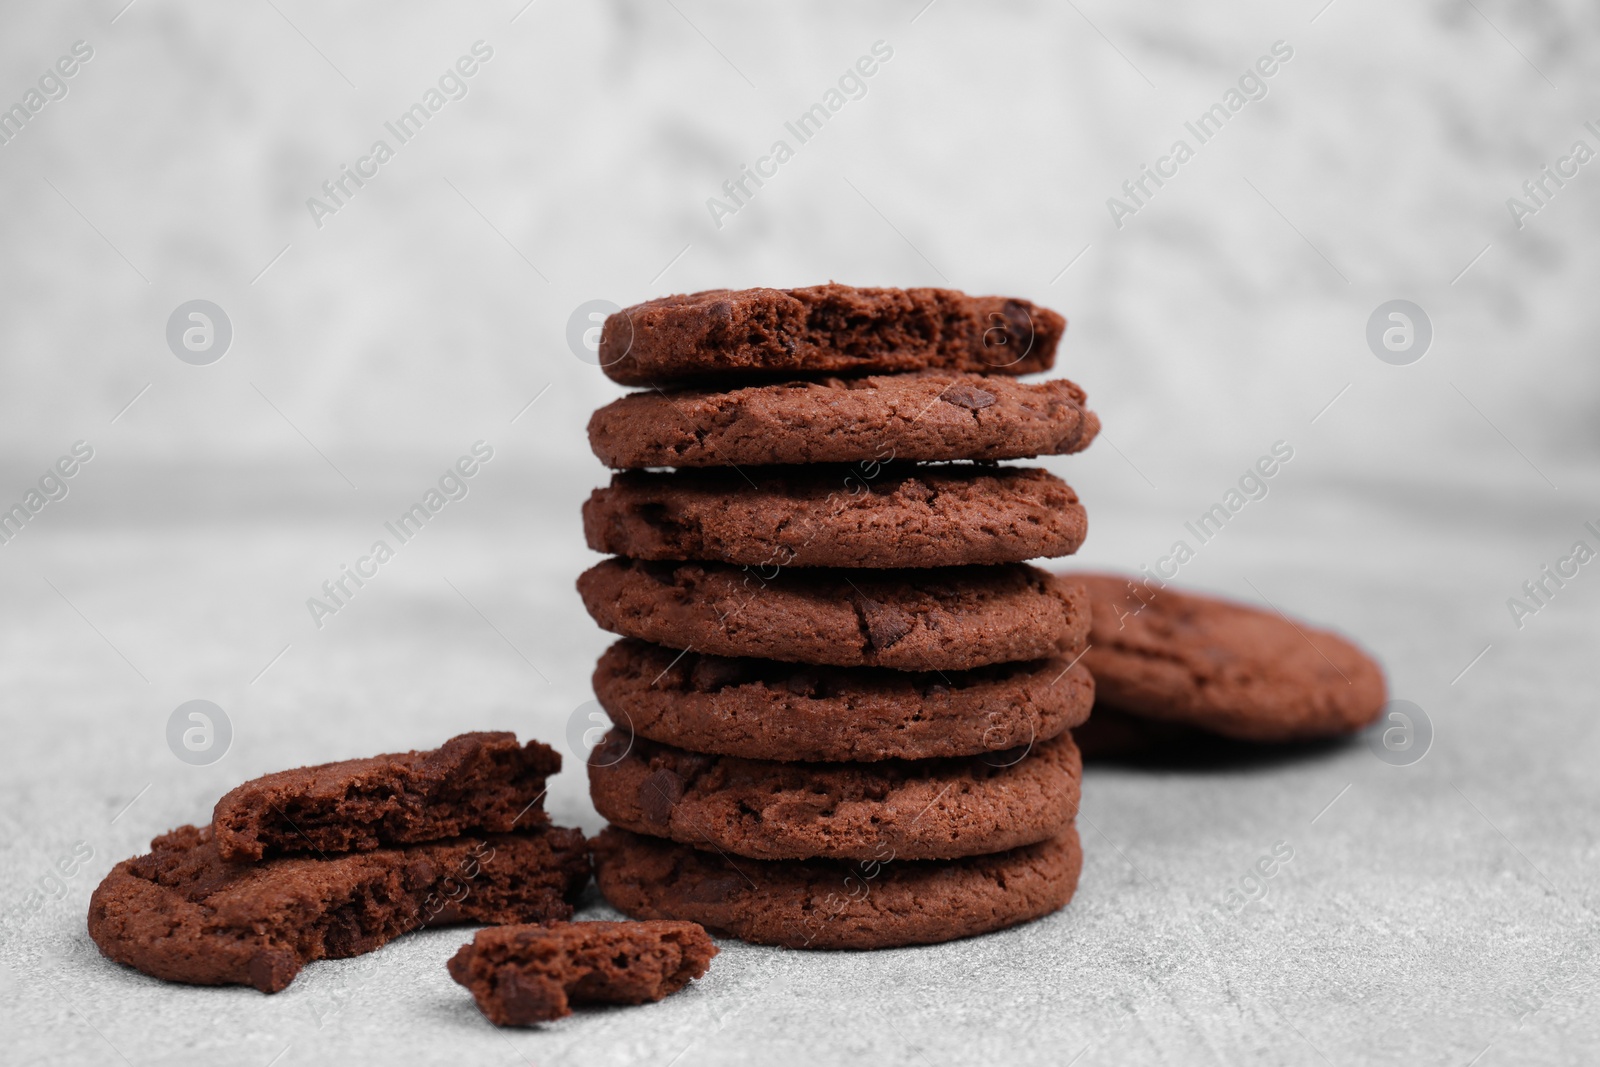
[184, 914]
[528, 974]
[474, 783]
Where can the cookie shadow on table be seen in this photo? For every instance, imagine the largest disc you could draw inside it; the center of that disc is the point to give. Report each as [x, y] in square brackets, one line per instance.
[1111, 739]
[458, 1012]
[461, 1014]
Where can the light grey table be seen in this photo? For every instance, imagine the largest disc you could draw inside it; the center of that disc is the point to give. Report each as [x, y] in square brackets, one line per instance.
[1431, 913]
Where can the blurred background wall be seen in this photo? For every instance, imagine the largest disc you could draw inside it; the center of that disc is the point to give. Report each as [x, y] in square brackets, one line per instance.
[1229, 309]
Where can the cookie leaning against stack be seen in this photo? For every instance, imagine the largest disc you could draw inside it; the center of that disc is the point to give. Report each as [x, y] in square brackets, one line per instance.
[843, 699]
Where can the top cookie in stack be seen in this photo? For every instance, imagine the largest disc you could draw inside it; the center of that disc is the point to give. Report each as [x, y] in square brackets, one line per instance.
[830, 588]
[825, 329]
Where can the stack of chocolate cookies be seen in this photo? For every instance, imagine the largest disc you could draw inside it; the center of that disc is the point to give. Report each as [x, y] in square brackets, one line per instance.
[843, 702]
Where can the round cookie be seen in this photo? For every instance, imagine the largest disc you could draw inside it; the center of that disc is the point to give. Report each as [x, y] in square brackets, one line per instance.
[1224, 667]
[759, 709]
[909, 809]
[823, 516]
[831, 904]
[925, 417]
[825, 329]
[917, 620]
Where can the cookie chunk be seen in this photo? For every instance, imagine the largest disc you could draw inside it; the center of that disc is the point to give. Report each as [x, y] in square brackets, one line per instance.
[894, 516]
[1227, 668]
[831, 904]
[521, 975]
[826, 329]
[946, 619]
[927, 417]
[474, 783]
[776, 711]
[909, 809]
[184, 914]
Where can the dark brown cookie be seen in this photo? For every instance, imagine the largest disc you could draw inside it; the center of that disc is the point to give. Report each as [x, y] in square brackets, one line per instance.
[910, 809]
[521, 975]
[474, 783]
[822, 516]
[183, 914]
[928, 417]
[765, 710]
[826, 329]
[831, 904]
[1224, 667]
[946, 619]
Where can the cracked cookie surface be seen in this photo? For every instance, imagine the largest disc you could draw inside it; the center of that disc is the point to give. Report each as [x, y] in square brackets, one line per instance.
[825, 329]
[918, 620]
[477, 782]
[184, 914]
[925, 417]
[900, 515]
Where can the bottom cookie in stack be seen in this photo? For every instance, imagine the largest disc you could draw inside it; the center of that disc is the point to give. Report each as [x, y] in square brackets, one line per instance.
[932, 832]
[832, 904]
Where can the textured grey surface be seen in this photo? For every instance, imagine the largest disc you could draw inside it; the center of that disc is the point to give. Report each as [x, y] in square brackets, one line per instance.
[1431, 913]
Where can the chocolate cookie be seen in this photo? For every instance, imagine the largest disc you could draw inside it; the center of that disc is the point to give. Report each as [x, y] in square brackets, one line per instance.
[1224, 667]
[831, 904]
[183, 914]
[765, 710]
[826, 329]
[909, 809]
[528, 974]
[478, 782]
[822, 516]
[927, 417]
[916, 620]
